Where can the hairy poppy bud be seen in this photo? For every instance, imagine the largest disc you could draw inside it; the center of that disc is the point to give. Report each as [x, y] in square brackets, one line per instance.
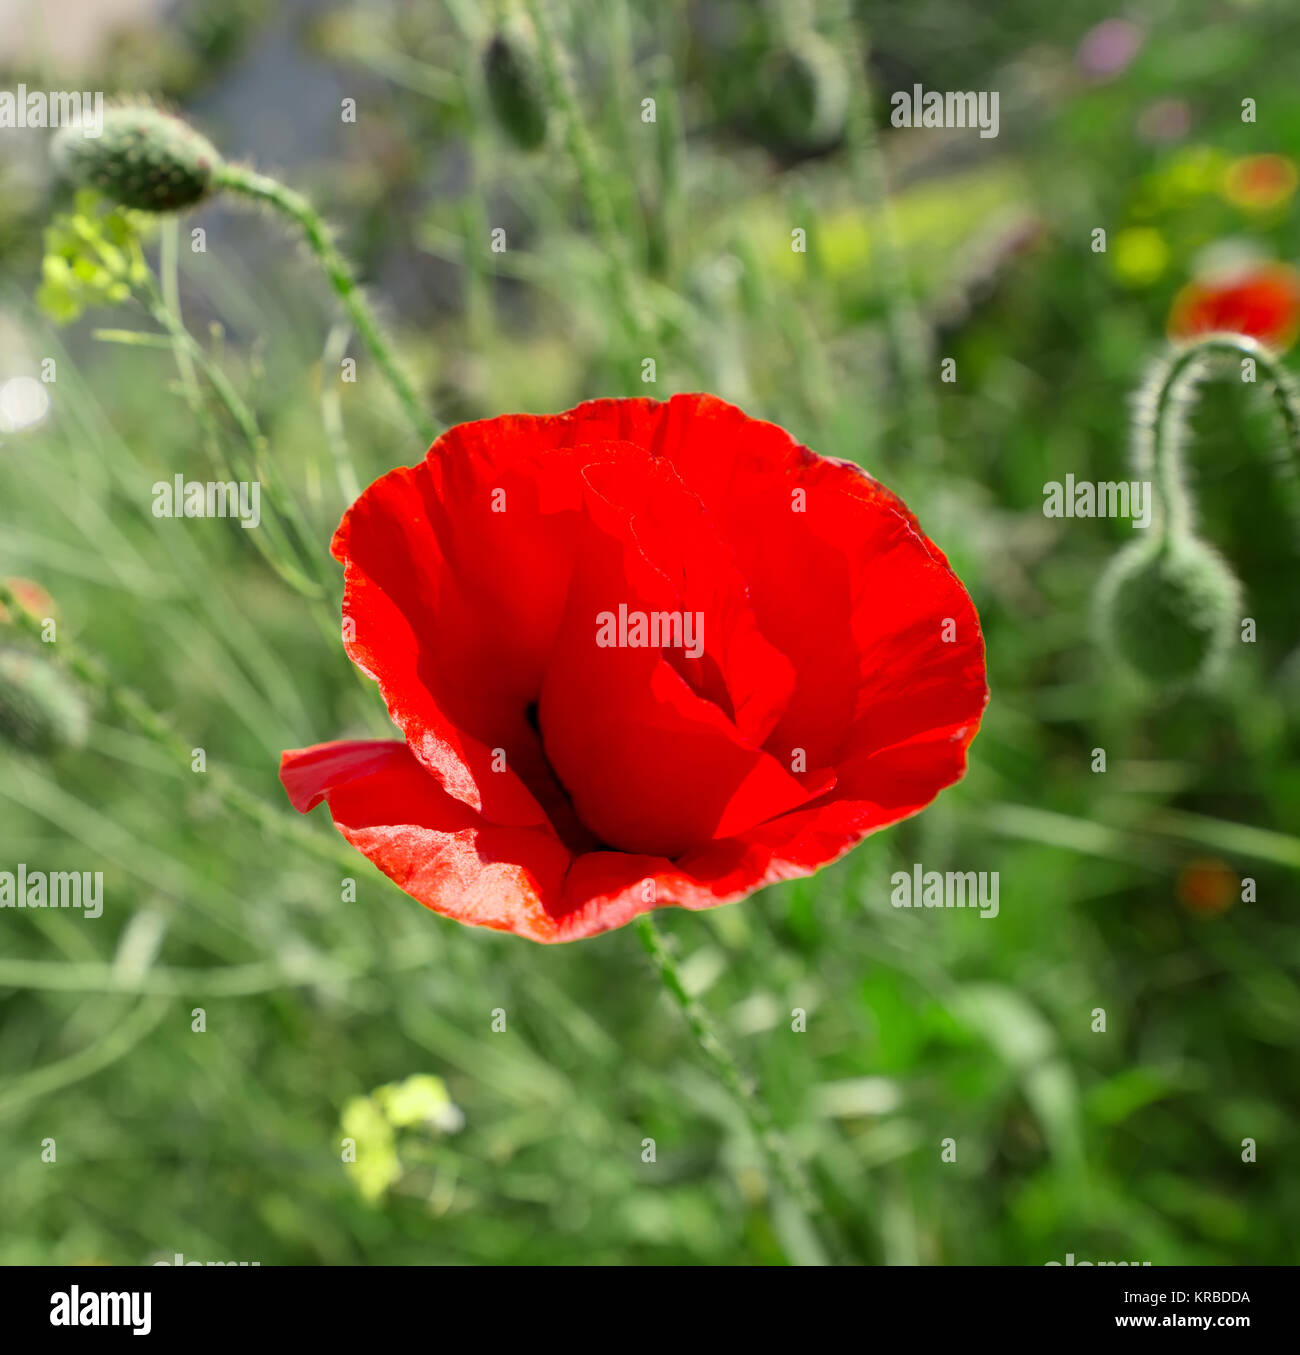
[807, 91]
[514, 84]
[144, 158]
[40, 710]
[1168, 608]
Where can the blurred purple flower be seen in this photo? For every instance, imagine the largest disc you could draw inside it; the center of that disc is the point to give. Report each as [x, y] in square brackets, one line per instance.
[1164, 120]
[1108, 48]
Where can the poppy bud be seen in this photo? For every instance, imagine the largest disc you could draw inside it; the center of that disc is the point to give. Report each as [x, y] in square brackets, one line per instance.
[40, 710]
[513, 76]
[807, 91]
[1168, 608]
[145, 159]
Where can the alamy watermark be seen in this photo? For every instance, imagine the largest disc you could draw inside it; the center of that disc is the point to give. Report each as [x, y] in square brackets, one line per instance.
[651, 630]
[1107, 499]
[182, 498]
[25, 888]
[945, 108]
[25, 107]
[178, 1259]
[73, 1307]
[921, 888]
[1070, 1261]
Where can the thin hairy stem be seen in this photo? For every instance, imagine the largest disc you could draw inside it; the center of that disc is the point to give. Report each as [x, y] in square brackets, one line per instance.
[559, 89]
[336, 438]
[262, 188]
[781, 1162]
[907, 333]
[164, 309]
[1165, 401]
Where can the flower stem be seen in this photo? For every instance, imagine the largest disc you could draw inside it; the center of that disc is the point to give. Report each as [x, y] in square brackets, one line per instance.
[1165, 401]
[781, 1162]
[262, 188]
[559, 89]
[164, 309]
[907, 334]
[336, 438]
[296, 554]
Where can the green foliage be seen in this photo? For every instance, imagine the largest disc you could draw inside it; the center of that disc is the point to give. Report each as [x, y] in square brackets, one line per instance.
[92, 258]
[1112, 1136]
[40, 710]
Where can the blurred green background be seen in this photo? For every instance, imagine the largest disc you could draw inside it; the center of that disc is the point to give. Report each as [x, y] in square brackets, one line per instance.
[1119, 890]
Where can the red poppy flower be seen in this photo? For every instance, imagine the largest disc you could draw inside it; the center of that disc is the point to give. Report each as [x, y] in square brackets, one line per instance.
[641, 654]
[1263, 303]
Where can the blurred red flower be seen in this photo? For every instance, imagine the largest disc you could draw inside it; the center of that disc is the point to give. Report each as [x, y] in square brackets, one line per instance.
[818, 672]
[31, 596]
[1260, 183]
[1262, 302]
[1208, 887]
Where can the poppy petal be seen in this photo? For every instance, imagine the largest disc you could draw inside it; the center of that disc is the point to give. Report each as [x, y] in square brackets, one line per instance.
[652, 764]
[431, 844]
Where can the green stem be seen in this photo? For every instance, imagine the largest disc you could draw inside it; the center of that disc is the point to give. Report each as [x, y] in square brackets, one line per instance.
[261, 188]
[907, 333]
[316, 588]
[169, 269]
[163, 307]
[165, 311]
[58, 976]
[559, 89]
[336, 438]
[188, 355]
[246, 421]
[665, 222]
[118, 1041]
[285, 524]
[1163, 406]
[477, 263]
[780, 1160]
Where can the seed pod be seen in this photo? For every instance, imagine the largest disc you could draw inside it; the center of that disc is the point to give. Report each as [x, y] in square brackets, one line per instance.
[144, 158]
[806, 91]
[513, 76]
[40, 710]
[1168, 608]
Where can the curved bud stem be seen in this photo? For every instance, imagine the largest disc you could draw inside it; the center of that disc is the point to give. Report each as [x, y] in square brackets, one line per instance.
[1160, 421]
[262, 188]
